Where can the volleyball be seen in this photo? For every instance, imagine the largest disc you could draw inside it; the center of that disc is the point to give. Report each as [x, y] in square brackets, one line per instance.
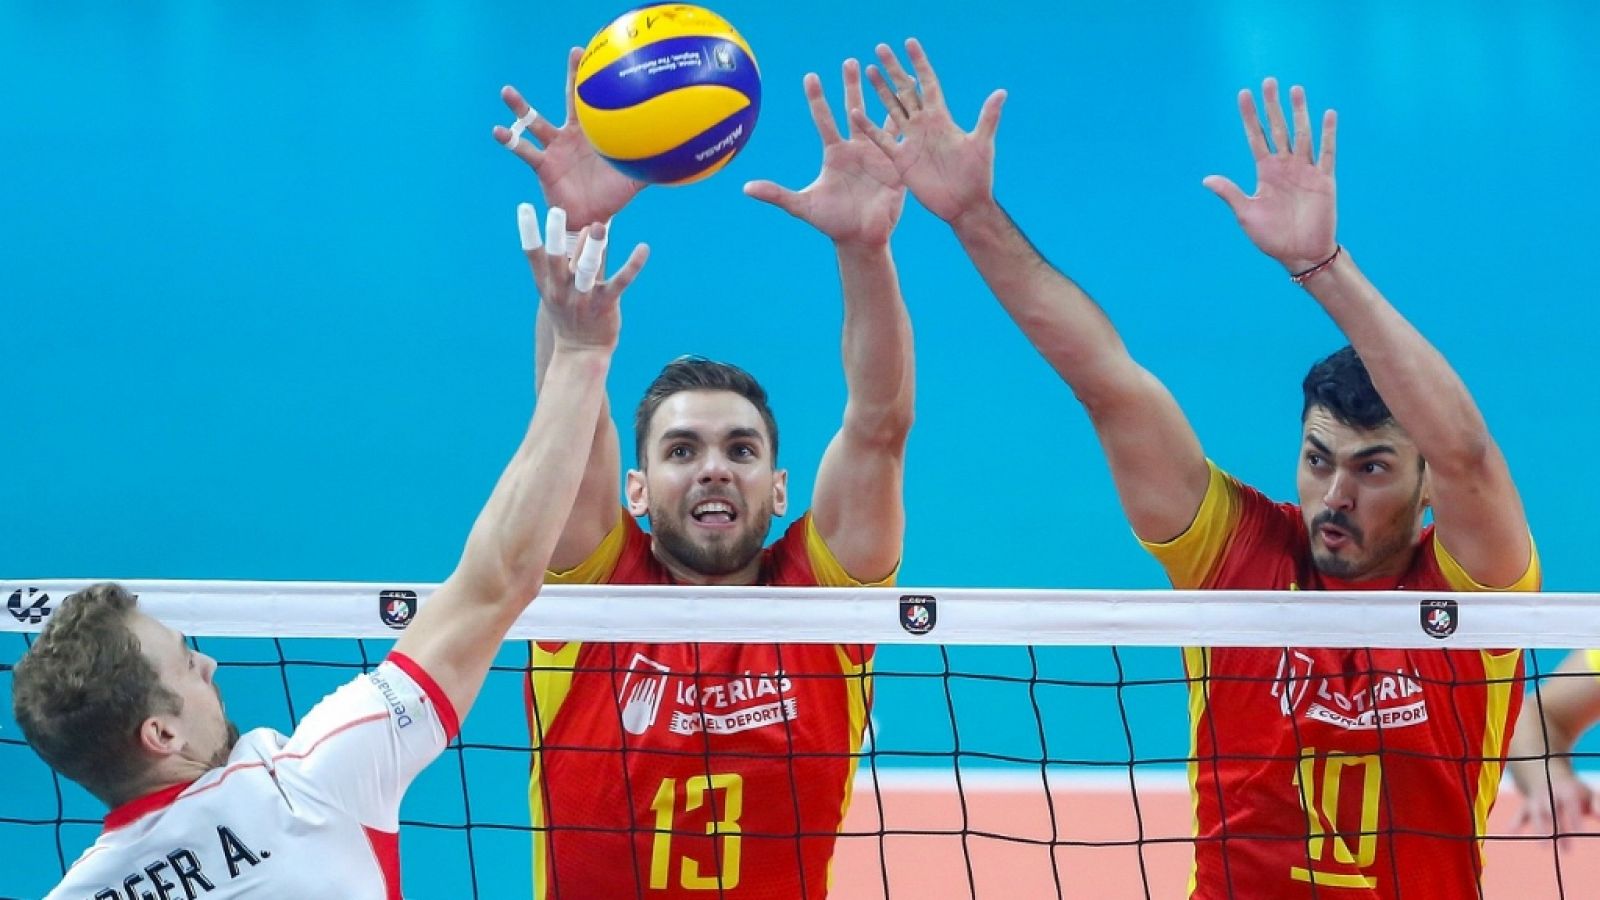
[668, 93]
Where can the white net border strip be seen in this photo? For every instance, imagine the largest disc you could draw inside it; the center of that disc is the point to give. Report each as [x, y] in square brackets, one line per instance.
[670, 614]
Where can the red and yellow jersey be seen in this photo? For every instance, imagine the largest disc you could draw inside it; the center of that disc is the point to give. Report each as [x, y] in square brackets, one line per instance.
[694, 770]
[1340, 774]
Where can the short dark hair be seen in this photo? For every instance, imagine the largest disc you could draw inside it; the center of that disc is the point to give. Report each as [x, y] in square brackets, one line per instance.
[83, 689]
[696, 373]
[1340, 384]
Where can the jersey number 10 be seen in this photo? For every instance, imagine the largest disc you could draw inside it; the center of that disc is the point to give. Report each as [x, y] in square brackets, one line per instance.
[1328, 838]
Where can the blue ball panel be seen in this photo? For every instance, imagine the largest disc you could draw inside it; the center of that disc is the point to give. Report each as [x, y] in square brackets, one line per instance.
[608, 89]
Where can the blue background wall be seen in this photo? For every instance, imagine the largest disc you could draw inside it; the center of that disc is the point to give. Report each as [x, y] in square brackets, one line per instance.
[264, 315]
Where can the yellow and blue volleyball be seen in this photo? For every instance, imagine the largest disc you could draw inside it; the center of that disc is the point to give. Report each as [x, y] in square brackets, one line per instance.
[668, 93]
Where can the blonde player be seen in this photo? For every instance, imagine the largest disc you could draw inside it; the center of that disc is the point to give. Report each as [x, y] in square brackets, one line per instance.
[120, 703]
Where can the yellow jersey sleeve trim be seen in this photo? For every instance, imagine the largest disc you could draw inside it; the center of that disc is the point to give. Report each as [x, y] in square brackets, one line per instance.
[858, 684]
[600, 564]
[826, 567]
[1190, 557]
[1500, 671]
[1593, 656]
[1197, 665]
[1459, 580]
[552, 679]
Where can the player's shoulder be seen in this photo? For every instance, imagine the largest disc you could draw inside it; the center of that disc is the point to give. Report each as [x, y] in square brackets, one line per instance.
[80, 879]
[793, 537]
[787, 560]
[256, 744]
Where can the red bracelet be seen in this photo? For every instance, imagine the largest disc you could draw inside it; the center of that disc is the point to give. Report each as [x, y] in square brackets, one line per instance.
[1300, 277]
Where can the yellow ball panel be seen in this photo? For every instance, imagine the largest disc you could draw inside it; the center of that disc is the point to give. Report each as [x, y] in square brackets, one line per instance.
[646, 26]
[660, 123]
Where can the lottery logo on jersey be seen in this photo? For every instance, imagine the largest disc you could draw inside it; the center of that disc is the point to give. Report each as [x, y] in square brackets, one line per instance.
[711, 702]
[642, 690]
[1353, 699]
[1294, 679]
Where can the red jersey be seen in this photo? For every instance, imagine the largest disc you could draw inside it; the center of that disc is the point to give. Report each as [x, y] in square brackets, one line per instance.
[694, 770]
[1354, 774]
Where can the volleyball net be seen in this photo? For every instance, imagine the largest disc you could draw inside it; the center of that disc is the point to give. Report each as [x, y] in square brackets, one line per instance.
[1017, 743]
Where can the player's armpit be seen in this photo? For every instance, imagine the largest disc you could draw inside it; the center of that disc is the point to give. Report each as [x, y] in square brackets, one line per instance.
[827, 568]
[1459, 578]
[597, 567]
[1190, 557]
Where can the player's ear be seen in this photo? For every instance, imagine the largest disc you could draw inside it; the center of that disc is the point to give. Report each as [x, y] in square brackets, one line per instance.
[157, 738]
[638, 493]
[780, 491]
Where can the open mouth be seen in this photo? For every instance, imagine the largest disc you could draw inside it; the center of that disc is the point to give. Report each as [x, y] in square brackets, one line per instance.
[1334, 537]
[714, 512]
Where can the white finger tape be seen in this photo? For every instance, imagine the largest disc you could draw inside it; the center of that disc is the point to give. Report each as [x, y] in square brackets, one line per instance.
[589, 265]
[523, 123]
[528, 226]
[555, 228]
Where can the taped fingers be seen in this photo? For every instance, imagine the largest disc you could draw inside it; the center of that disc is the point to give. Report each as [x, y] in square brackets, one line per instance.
[589, 260]
[528, 227]
[523, 123]
[555, 227]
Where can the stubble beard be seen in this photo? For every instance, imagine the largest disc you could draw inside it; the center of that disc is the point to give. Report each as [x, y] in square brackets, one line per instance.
[713, 558]
[1395, 539]
[220, 758]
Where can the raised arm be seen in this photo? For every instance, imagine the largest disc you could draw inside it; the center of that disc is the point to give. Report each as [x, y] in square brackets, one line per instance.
[1155, 458]
[1292, 218]
[456, 635]
[589, 191]
[858, 505]
[1554, 799]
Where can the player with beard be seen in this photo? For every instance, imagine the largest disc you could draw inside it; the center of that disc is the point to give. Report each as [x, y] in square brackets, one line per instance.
[692, 770]
[1316, 772]
[122, 704]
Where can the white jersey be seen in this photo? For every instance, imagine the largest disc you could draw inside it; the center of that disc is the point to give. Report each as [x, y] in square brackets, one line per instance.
[315, 814]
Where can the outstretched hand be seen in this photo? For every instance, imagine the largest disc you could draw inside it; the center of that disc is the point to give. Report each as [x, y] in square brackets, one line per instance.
[950, 171]
[1561, 811]
[858, 195]
[581, 305]
[572, 175]
[1292, 216]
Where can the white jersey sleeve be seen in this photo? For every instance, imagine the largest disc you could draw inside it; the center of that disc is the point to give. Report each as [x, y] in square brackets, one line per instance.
[363, 744]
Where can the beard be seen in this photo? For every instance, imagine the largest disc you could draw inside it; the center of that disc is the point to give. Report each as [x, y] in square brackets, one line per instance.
[1395, 538]
[712, 557]
[220, 758]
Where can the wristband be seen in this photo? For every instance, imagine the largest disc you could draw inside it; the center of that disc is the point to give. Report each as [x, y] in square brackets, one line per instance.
[1301, 277]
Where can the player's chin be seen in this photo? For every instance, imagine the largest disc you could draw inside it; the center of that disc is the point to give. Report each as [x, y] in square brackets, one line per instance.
[1339, 565]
